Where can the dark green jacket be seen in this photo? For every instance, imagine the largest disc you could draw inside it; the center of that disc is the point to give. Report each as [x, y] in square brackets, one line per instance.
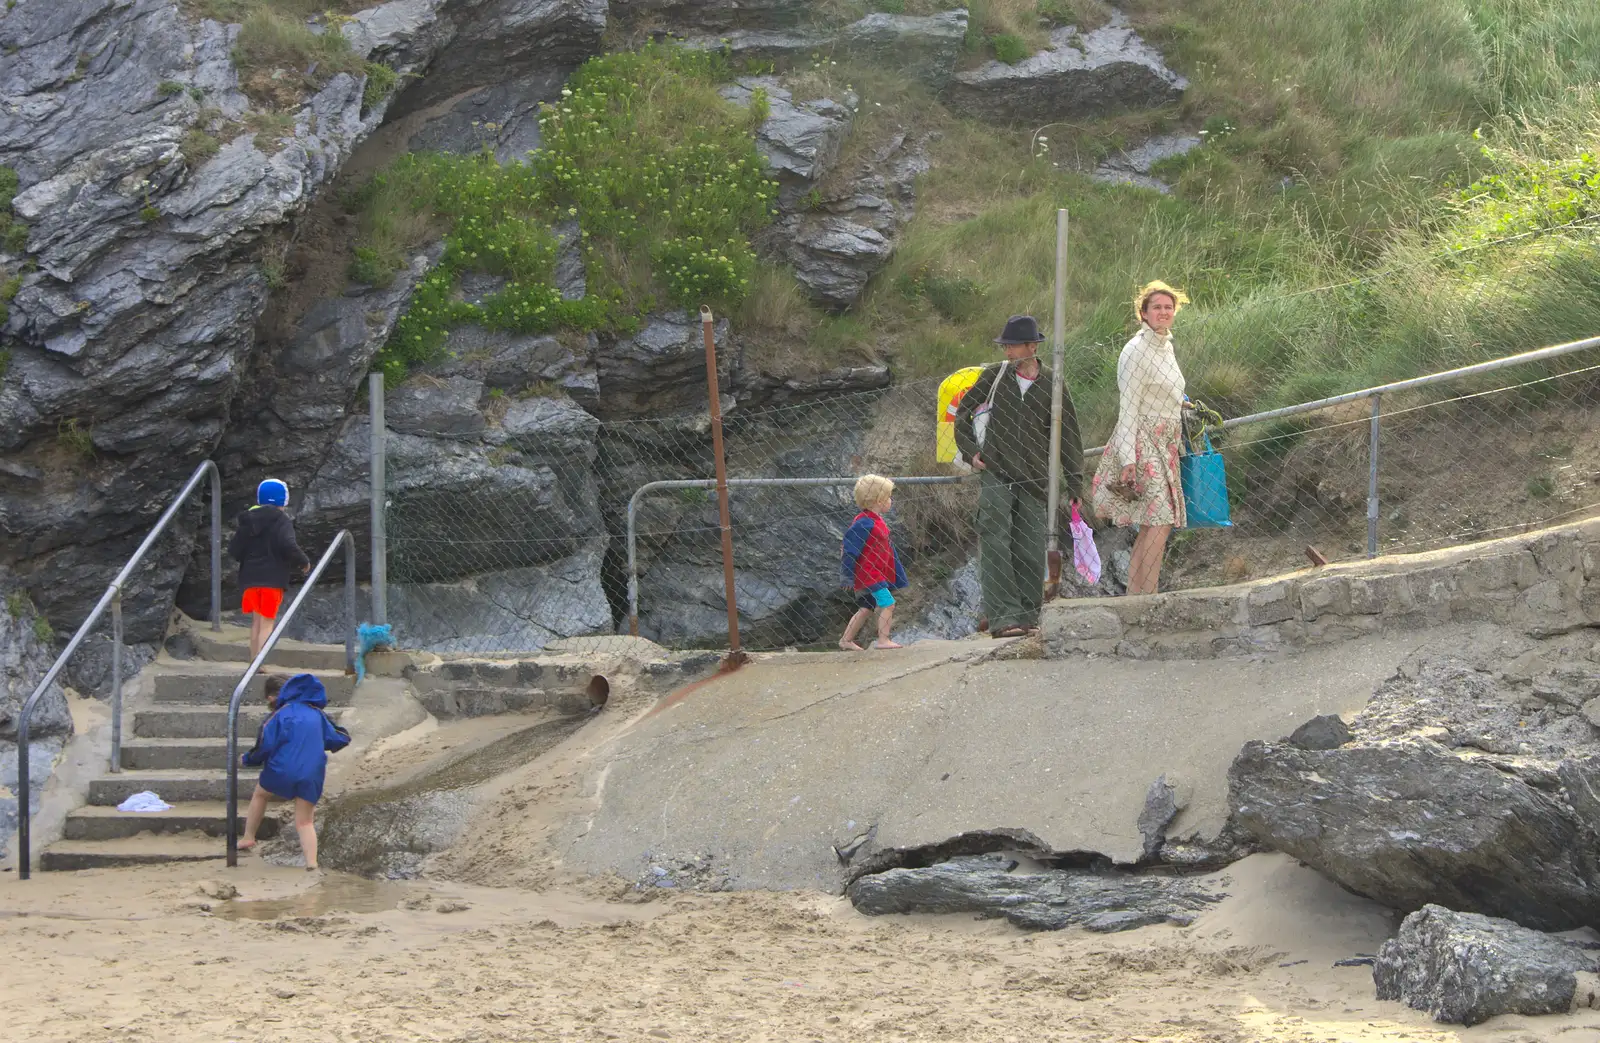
[1016, 446]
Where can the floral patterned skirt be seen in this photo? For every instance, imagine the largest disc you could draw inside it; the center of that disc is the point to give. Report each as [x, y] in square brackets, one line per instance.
[1157, 494]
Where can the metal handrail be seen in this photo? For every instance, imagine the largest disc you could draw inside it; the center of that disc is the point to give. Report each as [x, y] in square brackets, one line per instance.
[710, 483]
[1442, 377]
[113, 598]
[348, 542]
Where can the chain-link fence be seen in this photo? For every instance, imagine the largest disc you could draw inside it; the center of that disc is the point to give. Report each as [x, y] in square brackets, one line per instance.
[543, 492]
[512, 530]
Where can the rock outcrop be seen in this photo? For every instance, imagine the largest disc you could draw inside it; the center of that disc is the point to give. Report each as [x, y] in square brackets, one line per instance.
[924, 48]
[1045, 901]
[1080, 75]
[837, 225]
[1464, 969]
[1471, 780]
[1133, 166]
[25, 658]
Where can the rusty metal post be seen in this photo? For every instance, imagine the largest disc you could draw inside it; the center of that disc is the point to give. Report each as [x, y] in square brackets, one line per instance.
[735, 656]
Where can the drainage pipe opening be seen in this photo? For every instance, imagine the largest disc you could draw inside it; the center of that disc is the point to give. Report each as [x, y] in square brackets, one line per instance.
[598, 691]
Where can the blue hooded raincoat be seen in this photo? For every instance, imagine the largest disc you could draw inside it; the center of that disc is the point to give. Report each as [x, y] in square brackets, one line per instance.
[296, 740]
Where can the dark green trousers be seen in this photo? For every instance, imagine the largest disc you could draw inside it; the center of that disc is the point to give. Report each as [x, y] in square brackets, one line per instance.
[1012, 538]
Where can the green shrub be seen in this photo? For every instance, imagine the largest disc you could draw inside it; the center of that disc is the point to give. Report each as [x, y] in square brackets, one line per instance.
[1008, 48]
[170, 88]
[18, 605]
[381, 82]
[149, 214]
[661, 172]
[369, 269]
[43, 632]
[79, 441]
[198, 146]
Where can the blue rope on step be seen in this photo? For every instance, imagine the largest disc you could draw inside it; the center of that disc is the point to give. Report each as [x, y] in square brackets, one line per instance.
[371, 636]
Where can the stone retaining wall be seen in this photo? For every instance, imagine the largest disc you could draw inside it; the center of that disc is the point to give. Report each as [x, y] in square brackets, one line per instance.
[1538, 583]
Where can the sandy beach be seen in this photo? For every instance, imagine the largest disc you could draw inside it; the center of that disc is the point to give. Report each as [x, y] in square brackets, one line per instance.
[152, 954]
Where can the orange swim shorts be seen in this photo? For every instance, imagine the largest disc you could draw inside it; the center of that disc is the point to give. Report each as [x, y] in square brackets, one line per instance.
[263, 601]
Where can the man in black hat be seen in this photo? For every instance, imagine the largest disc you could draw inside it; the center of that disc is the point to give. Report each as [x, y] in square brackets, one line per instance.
[1013, 465]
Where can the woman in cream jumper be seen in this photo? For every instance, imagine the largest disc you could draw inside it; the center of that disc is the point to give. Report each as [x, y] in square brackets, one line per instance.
[1137, 480]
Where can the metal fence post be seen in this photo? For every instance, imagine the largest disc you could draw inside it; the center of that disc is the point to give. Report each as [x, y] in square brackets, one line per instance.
[380, 533]
[116, 683]
[1057, 390]
[1372, 481]
[734, 655]
[216, 548]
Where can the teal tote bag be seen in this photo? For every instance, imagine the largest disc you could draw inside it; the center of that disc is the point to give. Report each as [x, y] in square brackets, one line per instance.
[1205, 487]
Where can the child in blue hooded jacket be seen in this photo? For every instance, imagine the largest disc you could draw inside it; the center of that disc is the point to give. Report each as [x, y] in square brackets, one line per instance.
[292, 754]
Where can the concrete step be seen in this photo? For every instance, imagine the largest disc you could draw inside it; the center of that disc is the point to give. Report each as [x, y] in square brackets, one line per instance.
[213, 684]
[233, 646]
[203, 722]
[174, 787]
[141, 850]
[180, 754]
[107, 823]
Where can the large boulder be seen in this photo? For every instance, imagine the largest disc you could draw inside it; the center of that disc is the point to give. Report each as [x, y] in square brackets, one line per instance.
[1460, 786]
[1080, 75]
[1464, 969]
[1049, 900]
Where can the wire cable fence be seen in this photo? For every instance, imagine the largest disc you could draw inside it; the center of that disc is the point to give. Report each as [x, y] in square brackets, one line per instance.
[510, 527]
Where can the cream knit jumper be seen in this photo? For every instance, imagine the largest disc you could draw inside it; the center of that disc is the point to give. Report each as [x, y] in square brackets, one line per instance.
[1151, 390]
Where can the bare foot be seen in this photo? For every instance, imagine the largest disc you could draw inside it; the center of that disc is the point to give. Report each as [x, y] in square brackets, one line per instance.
[246, 845]
[849, 646]
[887, 644]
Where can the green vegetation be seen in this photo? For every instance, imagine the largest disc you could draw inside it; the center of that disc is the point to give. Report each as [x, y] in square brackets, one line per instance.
[43, 632]
[198, 146]
[1009, 49]
[149, 214]
[79, 441]
[660, 171]
[287, 49]
[170, 89]
[18, 605]
[1343, 224]
[14, 240]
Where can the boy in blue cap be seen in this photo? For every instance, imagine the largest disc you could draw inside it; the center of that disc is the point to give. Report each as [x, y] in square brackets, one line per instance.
[292, 754]
[268, 557]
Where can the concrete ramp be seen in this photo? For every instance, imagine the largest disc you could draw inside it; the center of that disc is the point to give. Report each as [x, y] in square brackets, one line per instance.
[764, 769]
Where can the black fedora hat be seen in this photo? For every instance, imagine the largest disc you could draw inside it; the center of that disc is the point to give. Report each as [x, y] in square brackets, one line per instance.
[1020, 329]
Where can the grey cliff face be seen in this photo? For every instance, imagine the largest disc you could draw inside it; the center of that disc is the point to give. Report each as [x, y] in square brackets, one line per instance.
[135, 330]
[138, 321]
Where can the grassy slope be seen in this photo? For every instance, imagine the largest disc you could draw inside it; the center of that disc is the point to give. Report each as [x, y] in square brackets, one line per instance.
[1341, 136]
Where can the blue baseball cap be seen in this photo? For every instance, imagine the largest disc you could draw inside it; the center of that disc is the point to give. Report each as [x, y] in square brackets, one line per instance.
[273, 492]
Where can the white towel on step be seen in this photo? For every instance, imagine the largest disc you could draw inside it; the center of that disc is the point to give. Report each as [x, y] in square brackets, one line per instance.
[144, 801]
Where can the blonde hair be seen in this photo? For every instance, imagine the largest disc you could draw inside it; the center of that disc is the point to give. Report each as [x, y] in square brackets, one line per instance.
[1179, 298]
[873, 490]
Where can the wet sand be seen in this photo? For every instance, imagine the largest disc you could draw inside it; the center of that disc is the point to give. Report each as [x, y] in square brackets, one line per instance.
[145, 954]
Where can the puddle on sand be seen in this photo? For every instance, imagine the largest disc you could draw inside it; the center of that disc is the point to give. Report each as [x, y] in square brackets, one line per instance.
[334, 893]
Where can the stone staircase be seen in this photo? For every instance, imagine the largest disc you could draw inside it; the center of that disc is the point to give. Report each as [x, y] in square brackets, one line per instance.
[174, 742]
